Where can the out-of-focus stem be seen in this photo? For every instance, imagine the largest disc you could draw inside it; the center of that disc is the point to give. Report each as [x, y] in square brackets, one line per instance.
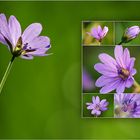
[136, 87]
[99, 42]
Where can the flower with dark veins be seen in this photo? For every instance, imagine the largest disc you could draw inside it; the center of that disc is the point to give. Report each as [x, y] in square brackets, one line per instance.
[97, 106]
[116, 73]
[98, 33]
[27, 44]
[127, 105]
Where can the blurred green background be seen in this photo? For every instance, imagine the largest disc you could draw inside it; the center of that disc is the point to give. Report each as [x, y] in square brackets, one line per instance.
[87, 39]
[42, 97]
[120, 28]
[87, 98]
[90, 58]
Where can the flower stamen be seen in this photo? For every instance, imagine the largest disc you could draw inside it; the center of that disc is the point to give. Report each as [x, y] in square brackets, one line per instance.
[18, 49]
[97, 107]
[123, 73]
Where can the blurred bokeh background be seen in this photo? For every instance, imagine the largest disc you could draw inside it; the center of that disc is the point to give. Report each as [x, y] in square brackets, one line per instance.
[42, 97]
[90, 58]
[120, 28]
[87, 39]
[87, 98]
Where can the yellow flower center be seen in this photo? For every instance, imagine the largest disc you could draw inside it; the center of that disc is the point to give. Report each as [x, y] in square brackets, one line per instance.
[124, 73]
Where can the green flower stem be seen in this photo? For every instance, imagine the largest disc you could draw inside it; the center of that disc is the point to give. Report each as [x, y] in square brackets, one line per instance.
[136, 87]
[120, 43]
[6, 73]
[99, 43]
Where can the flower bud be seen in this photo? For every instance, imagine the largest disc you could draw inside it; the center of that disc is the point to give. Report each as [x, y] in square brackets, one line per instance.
[130, 34]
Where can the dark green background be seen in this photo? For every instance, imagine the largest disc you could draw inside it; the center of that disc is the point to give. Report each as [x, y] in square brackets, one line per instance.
[42, 97]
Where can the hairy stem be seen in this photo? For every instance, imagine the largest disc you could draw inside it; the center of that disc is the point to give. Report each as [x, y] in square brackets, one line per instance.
[6, 73]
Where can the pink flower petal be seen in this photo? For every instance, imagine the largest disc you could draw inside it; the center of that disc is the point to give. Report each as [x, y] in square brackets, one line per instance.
[4, 29]
[15, 30]
[108, 60]
[103, 69]
[31, 32]
[110, 87]
[118, 52]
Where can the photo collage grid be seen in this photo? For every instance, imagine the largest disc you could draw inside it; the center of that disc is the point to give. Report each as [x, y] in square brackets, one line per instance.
[110, 69]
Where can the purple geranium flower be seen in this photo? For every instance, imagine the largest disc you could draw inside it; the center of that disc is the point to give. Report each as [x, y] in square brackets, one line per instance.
[130, 33]
[98, 33]
[87, 82]
[127, 105]
[97, 106]
[26, 44]
[116, 73]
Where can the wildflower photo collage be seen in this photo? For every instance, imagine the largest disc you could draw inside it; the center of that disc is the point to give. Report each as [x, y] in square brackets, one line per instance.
[110, 69]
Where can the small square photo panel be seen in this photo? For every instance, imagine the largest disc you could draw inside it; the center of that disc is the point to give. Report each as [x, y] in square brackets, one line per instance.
[97, 105]
[97, 33]
[127, 33]
[127, 105]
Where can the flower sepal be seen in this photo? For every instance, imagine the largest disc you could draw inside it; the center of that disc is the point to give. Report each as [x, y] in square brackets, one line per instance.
[126, 39]
[18, 49]
[130, 34]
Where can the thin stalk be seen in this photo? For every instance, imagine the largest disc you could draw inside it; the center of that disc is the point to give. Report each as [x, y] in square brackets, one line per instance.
[6, 73]
[99, 43]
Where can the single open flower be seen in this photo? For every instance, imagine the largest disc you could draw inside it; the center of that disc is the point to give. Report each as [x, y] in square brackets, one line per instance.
[130, 33]
[26, 44]
[127, 105]
[97, 106]
[116, 73]
[98, 33]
